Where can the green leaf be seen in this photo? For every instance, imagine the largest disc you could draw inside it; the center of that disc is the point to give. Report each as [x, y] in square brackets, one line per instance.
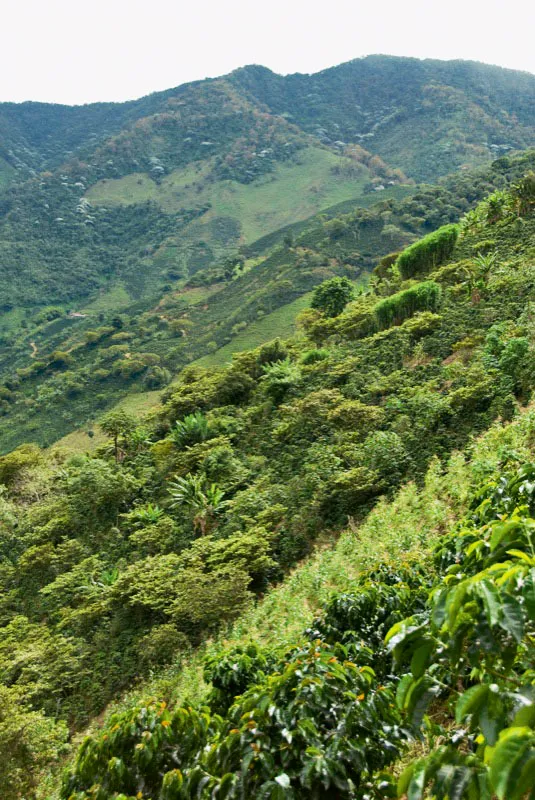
[491, 599]
[502, 531]
[416, 787]
[526, 775]
[525, 717]
[512, 618]
[405, 779]
[418, 698]
[470, 701]
[528, 593]
[513, 744]
[420, 659]
[403, 687]
[459, 782]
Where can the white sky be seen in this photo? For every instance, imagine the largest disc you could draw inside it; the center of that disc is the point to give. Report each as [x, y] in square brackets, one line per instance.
[80, 51]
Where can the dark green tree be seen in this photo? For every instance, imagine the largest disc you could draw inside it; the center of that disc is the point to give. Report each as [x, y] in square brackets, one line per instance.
[332, 296]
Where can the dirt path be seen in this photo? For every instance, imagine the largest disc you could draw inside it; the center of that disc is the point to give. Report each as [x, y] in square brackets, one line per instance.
[34, 349]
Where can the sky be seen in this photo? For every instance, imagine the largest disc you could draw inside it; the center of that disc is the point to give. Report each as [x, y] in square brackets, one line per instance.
[81, 51]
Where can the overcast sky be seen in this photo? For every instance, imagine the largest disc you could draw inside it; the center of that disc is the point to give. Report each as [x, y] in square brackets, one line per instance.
[80, 51]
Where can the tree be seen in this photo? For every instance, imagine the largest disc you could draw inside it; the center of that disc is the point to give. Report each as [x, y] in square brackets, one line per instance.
[118, 424]
[205, 500]
[332, 296]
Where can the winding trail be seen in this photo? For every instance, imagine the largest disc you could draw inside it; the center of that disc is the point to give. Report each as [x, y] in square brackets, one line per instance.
[34, 349]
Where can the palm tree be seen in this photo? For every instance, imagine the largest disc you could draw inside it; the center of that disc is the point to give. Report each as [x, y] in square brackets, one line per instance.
[190, 430]
[204, 500]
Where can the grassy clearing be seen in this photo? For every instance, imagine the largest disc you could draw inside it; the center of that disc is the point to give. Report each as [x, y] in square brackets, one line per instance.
[189, 297]
[10, 320]
[141, 403]
[80, 442]
[291, 193]
[114, 297]
[280, 323]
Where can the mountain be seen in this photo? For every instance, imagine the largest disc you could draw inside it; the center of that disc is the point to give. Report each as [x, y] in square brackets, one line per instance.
[426, 117]
[399, 418]
[138, 194]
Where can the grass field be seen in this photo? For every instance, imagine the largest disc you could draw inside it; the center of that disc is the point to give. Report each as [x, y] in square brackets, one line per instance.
[291, 193]
[80, 441]
[109, 299]
[280, 323]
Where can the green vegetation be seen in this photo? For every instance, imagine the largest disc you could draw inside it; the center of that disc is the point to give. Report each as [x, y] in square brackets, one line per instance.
[121, 563]
[317, 718]
[288, 551]
[428, 253]
[224, 308]
[290, 193]
[331, 297]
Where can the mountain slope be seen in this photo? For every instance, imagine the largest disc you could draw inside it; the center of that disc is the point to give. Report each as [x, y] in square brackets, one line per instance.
[427, 117]
[196, 150]
[115, 564]
[197, 187]
[61, 371]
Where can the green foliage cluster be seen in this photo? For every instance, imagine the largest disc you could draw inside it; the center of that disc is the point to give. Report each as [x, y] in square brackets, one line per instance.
[428, 253]
[320, 721]
[395, 309]
[332, 296]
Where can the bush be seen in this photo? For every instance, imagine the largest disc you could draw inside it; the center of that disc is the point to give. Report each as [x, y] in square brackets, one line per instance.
[395, 309]
[428, 252]
[332, 296]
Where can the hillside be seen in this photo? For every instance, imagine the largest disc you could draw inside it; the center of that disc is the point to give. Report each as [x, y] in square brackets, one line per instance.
[210, 158]
[60, 371]
[161, 229]
[426, 117]
[376, 99]
[118, 563]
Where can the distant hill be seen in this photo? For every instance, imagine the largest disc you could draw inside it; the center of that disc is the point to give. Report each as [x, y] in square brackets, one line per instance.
[376, 100]
[97, 190]
[427, 117]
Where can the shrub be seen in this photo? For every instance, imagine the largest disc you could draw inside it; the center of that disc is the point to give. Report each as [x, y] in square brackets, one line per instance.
[428, 252]
[332, 296]
[395, 309]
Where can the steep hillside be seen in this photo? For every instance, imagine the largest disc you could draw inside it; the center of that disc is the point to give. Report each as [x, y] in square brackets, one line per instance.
[110, 214]
[192, 173]
[116, 563]
[61, 371]
[457, 108]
